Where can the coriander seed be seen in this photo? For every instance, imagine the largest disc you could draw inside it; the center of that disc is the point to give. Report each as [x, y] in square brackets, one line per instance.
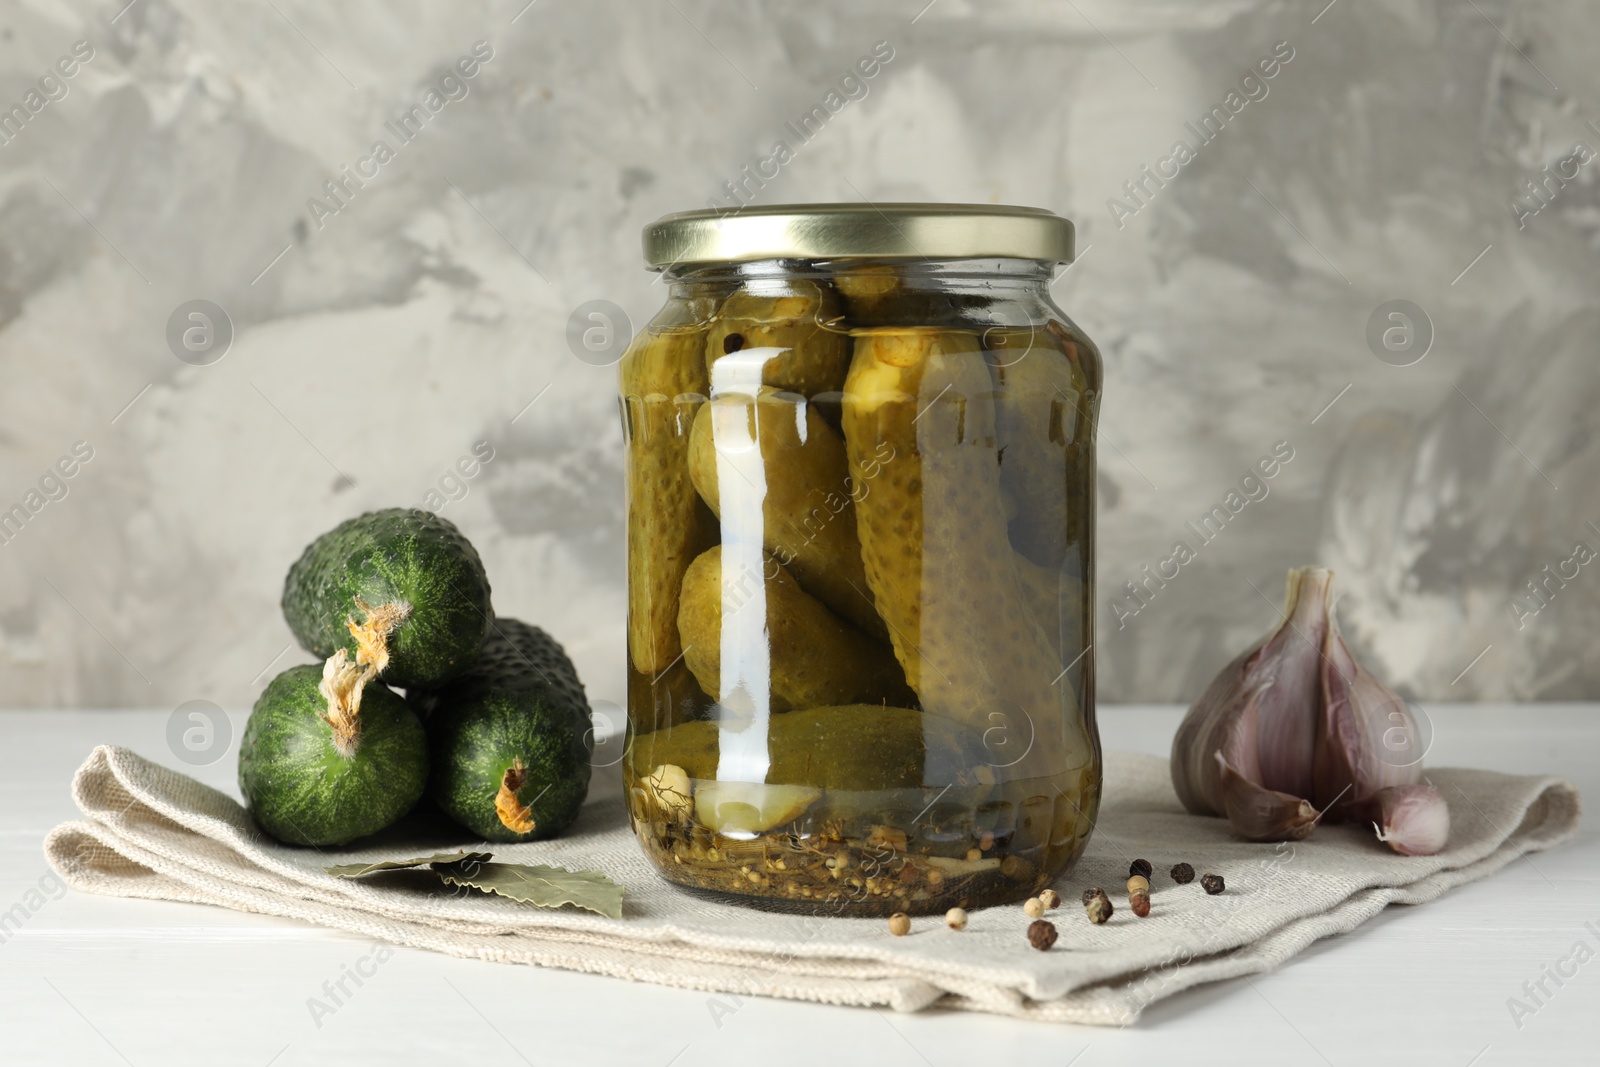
[1182, 873]
[1033, 907]
[1212, 883]
[1141, 867]
[1042, 934]
[899, 924]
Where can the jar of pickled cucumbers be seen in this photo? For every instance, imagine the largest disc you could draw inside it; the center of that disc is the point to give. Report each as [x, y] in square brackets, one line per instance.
[860, 456]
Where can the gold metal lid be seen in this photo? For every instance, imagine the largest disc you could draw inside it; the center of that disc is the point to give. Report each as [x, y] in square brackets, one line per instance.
[864, 231]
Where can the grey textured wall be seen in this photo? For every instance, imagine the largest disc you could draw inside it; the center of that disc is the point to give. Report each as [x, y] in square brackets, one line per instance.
[376, 344]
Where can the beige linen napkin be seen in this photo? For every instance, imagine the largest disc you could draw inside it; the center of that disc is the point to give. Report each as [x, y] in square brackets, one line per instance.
[152, 832]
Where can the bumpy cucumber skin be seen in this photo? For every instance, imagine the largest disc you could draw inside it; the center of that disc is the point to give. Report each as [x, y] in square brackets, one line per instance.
[395, 554]
[301, 790]
[521, 700]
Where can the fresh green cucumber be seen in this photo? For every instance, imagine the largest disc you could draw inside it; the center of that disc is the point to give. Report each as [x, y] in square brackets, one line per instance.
[510, 740]
[323, 762]
[400, 590]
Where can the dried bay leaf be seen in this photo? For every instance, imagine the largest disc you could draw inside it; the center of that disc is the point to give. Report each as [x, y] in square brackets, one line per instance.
[540, 885]
[355, 870]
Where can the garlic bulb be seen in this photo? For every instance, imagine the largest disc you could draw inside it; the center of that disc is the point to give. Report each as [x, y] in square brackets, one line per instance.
[1295, 729]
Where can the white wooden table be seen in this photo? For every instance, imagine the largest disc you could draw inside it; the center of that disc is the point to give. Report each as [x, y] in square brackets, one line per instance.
[94, 980]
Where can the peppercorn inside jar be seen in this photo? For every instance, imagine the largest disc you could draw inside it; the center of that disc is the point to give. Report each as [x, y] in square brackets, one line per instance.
[860, 454]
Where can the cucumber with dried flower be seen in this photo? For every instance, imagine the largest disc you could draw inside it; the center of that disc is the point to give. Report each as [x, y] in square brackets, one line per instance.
[510, 739]
[400, 590]
[330, 755]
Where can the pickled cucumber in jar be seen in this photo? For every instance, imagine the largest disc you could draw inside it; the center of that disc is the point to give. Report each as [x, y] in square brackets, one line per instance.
[937, 550]
[808, 510]
[791, 330]
[805, 655]
[664, 383]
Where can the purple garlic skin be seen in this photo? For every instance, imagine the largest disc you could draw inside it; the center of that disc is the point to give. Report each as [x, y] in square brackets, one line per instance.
[1247, 747]
[1295, 729]
[1369, 739]
[1414, 820]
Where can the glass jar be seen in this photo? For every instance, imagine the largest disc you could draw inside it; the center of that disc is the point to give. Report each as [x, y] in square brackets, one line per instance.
[860, 445]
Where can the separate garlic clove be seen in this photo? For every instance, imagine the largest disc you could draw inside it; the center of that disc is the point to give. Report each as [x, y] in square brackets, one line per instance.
[1260, 711]
[1414, 820]
[1369, 739]
[1260, 814]
[744, 809]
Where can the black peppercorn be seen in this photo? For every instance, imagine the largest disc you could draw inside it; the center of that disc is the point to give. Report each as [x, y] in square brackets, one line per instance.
[1182, 873]
[1092, 892]
[732, 343]
[1141, 867]
[1212, 883]
[1042, 934]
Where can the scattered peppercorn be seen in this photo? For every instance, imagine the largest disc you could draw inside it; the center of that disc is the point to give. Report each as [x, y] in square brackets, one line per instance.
[1141, 867]
[956, 919]
[899, 924]
[1092, 892]
[1182, 873]
[1042, 934]
[1140, 903]
[1098, 909]
[1212, 883]
[1138, 883]
[732, 343]
[1033, 907]
[1050, 899]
